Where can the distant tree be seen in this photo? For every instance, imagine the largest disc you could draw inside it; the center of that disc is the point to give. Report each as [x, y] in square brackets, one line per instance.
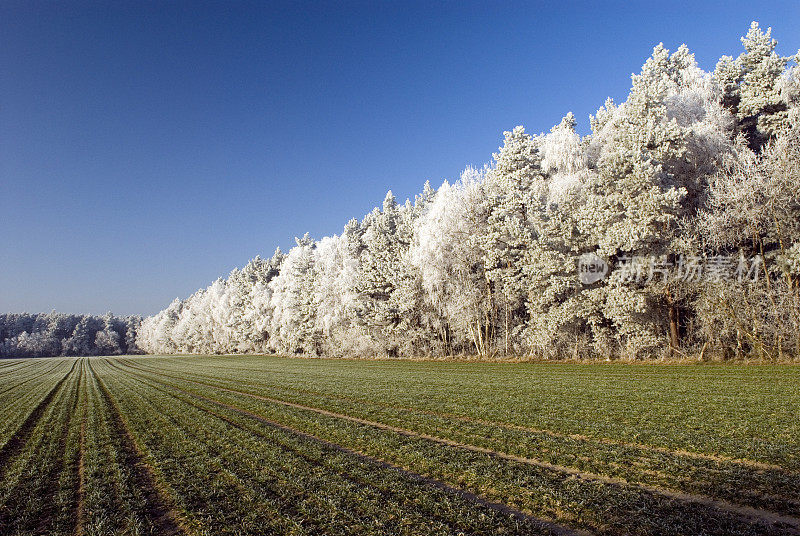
[82, 340]
[107, 340]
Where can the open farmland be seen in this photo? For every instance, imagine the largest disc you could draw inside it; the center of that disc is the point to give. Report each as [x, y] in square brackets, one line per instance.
[263, 445]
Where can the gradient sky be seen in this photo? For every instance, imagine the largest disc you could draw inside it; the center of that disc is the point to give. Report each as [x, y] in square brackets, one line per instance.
[147, 148]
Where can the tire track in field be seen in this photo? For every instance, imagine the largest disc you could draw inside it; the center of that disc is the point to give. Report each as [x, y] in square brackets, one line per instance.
[719, 458]
[64, 463]
[411, 475]
[20, 437]
[80, 492]
[159, 510]
[746, 512]
[752, 464]
[551, 526]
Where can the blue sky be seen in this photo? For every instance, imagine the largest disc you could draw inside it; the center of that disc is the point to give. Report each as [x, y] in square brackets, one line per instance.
[147, 148]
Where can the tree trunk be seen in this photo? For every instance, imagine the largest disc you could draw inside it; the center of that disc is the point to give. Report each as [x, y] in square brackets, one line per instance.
[674, 340]
[508, 314]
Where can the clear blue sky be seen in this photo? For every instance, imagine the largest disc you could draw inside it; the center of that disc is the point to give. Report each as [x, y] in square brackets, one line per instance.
[147, 148]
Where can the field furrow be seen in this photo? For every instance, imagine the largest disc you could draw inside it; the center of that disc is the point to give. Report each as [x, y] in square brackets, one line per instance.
[19, 404]
[80, 481]
[499, 507]
[639, 402]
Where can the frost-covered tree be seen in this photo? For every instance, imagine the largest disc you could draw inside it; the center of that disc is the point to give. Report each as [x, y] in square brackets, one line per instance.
[232, 315]
[555, 300]
[754, 209]
[155, 332]
[294, 326]
[335, 296]
[107, 340]
[132, 324]
[379, 274]
[652, 156]
[419, 329]
[449, 256]
[752, 86]
[82, 340]
[515, 182]
[254, 295]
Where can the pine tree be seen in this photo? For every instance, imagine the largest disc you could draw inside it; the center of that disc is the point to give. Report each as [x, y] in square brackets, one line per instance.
[293, 325]
[514, 183]
[752, 86]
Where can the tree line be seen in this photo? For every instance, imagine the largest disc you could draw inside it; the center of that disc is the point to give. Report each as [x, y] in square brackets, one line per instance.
[687, 194]
[55, 334]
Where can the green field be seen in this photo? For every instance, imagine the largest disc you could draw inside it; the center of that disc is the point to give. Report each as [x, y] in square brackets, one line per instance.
[266, 445]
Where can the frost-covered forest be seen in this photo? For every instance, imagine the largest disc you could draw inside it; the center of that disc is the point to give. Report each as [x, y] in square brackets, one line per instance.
[689, 190]
[54, 334]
